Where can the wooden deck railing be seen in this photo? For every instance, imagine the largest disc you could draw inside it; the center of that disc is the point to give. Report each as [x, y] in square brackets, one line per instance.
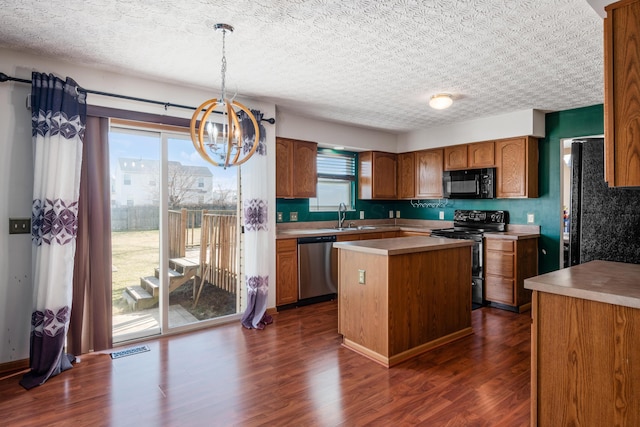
[177, 233]
[184, 231]
[218, 251]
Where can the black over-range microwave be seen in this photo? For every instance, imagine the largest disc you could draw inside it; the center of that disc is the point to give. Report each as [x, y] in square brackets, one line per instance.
[469, 184]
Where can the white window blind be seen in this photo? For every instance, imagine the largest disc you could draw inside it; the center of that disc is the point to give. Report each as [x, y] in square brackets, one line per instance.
[336, 181]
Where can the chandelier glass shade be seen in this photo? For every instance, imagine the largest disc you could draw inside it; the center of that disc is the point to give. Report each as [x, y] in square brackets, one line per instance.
[222, 143]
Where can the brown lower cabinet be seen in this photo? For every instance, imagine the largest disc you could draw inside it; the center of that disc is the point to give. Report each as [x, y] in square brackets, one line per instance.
[584, 362]
[507, 264]
[286, 271]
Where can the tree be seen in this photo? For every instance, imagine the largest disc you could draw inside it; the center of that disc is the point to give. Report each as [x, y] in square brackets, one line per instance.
[223, 197]
[181, 182]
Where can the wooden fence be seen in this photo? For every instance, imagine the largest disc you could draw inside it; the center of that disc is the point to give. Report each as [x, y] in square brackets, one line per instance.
[218, 251]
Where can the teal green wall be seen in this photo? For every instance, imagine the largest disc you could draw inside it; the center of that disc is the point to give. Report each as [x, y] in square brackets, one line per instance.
[372, 210]
[546, 208]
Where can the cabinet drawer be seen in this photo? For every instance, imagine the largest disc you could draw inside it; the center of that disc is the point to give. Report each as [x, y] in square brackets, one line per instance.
[286, 245]
[499, 245]
[500, 263]
[499, 289]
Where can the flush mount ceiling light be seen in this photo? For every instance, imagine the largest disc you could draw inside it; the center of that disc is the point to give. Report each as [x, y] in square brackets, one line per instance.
[441, 101]
[223, 144]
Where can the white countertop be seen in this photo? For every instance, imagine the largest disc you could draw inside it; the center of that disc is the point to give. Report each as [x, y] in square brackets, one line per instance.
[602, 281]
[402, 245]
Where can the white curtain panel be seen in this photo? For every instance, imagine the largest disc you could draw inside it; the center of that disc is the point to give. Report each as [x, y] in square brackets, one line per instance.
[58, 125]
[255, 205]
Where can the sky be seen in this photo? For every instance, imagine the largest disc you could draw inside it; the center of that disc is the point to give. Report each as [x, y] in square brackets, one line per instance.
[146, 145]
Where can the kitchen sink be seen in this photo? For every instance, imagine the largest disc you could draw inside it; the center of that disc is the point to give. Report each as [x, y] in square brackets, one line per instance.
[366, 227]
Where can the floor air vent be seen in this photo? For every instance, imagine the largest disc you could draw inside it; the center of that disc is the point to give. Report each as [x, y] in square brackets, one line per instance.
[130, 351]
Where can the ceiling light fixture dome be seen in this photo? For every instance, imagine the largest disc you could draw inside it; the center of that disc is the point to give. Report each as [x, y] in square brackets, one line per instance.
[441, 101]
[224, 141]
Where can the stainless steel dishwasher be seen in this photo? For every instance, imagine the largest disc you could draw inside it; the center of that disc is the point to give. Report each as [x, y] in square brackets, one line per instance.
[316, 282]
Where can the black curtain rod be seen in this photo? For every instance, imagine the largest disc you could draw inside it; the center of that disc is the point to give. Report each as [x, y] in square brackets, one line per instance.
[4, 78]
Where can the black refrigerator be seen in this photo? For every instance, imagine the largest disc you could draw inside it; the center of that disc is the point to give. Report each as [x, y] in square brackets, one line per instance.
[604, 222]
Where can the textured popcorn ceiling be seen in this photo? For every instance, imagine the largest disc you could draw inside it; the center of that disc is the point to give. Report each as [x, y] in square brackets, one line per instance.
[368, 63]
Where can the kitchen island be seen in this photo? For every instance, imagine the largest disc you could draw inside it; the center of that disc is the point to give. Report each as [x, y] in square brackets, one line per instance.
[400, 297]
[585, 348]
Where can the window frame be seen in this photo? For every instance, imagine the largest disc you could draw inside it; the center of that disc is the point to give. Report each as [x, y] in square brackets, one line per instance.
[326, 175]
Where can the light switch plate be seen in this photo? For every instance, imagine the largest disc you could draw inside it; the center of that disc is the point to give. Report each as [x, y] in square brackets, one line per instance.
[530, 218]
[390, 214]
[361, 276]
[361, 214]
[397, 214]
[441, 216]
[293, 216]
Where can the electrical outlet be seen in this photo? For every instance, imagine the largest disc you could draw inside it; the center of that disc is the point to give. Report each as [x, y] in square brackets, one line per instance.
[361, 276]
[19, 226]
[279, 217]
[390, 214]
[530, 218]
[397, 214]
[441, 216]
[293, 216]
[361, 214]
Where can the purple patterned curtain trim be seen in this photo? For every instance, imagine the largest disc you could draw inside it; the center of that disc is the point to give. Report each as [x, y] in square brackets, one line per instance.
[256, 215]
[53, 221]
[49, 322]
[44, 122]
[257, 284]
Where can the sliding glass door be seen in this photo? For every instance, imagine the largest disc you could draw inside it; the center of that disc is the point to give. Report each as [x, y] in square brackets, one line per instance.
[175, 234]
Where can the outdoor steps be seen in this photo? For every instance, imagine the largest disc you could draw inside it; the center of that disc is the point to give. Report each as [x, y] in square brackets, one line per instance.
[181, 270]
[146, 295]
[138, 298]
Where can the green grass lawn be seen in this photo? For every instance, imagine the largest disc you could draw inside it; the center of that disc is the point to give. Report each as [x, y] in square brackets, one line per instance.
[135, 254]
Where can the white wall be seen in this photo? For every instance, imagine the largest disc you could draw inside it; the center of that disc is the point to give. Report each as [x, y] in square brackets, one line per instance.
[330, 134]
[519, 123]
[599, 5]
[16, 183]
[16, 171]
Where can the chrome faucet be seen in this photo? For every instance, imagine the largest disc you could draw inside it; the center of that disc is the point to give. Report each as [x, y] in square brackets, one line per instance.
[342, 212]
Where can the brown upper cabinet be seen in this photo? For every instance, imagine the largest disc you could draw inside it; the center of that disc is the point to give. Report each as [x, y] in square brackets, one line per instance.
[429, 168]
[621, 94]
[481, 154]
[456, 157]
[517, 167]
[296, 168]
[377, 175]
[406, 175]
[470, 156]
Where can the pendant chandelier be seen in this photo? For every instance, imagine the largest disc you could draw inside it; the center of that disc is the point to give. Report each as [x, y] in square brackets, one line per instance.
[221, 144]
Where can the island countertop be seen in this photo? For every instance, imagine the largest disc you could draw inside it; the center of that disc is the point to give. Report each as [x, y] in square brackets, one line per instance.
[602, 281]
[402, 245]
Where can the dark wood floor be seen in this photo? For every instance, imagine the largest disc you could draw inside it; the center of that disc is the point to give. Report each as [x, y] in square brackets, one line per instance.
[293, 373]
